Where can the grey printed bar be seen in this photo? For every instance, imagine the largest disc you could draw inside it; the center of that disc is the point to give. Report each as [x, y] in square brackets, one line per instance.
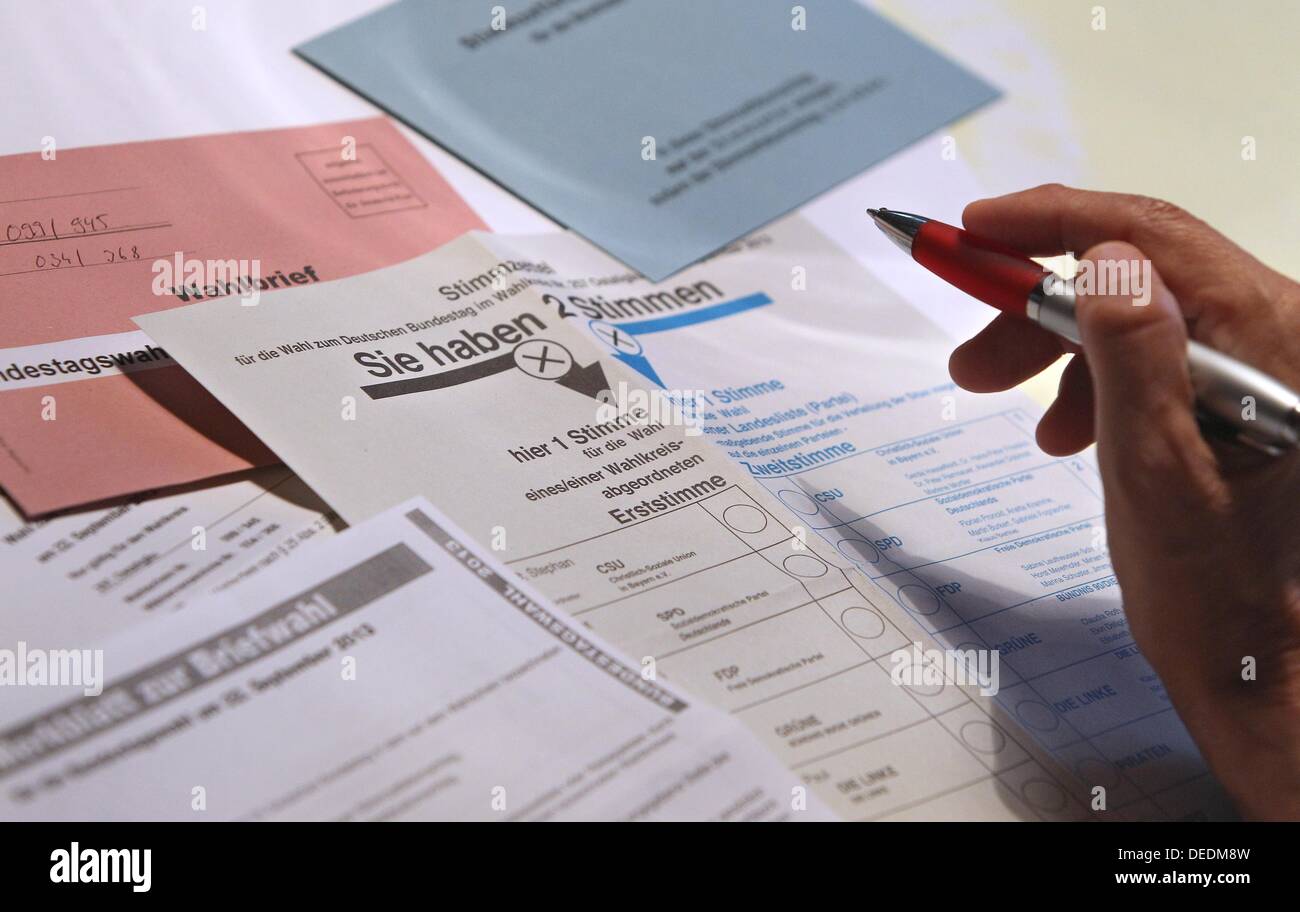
[629, 677]
[444, 380]
[279, 627]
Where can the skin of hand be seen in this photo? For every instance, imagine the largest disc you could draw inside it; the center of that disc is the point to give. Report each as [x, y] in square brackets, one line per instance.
[1204, 537]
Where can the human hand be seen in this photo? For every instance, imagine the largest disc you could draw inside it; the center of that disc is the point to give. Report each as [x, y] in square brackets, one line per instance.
[1204, 538]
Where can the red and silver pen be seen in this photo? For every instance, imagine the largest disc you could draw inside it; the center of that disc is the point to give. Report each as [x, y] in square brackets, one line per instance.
[1258, 409]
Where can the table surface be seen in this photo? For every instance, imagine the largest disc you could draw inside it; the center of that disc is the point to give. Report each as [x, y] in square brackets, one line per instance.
[1158, 102]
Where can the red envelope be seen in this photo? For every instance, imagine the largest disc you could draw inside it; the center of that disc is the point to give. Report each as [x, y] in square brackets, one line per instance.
[90, 409]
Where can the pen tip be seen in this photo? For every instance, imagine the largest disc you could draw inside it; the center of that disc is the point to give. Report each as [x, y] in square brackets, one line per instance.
[874, 213]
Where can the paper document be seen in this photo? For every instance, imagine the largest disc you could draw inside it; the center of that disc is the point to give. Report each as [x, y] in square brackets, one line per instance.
[399, 674]
[659, 129]
[77, 579]
[89, 408]
[833, 396]
[453, 376]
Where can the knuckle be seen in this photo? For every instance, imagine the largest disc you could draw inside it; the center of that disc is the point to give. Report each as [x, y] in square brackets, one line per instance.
[1055, 188]
[1139, 470]
[1112, 250]
[1147, 464]
[1168, 467]
[1150, 209]
[1099, 315]
[1152, 467]
[1063, 197]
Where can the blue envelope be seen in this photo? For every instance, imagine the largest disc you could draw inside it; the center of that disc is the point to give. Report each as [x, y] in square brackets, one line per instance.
[661, 130]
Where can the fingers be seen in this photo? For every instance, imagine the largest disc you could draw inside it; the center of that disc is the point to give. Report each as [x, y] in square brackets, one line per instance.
[1003, 354]
[1150, 449]
[1008, 352]
[1067, 425]
[1053, 219]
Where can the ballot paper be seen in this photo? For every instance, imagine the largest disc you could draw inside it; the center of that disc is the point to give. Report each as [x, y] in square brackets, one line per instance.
[807, 503]
[89, 409]
[81, 577]
[659, 129]
[833, 396]
[400, 673]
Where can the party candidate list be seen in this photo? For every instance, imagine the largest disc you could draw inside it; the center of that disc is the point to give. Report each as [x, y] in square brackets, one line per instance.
[401, 675]
[831, 394]
[773, 540]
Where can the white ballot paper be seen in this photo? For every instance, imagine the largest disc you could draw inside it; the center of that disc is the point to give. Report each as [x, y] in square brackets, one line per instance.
[400, 673]
[71, 580]
[807, 524]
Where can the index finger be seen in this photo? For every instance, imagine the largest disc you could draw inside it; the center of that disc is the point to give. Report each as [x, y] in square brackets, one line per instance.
[1053, 219]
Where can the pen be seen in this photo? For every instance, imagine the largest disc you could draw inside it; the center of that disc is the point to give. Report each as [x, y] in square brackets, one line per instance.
[1227, 390]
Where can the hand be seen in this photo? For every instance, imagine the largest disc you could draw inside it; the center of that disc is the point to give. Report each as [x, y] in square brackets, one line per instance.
[1204, 538]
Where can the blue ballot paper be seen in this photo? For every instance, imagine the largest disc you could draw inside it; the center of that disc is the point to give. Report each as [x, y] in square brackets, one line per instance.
[661, 130]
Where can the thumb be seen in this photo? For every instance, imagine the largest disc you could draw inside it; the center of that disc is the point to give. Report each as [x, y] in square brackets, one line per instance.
[1148, 443]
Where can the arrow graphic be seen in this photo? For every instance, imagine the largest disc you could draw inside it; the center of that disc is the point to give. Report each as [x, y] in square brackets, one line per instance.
[621, 337]
[640, 364]
[589, 380]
